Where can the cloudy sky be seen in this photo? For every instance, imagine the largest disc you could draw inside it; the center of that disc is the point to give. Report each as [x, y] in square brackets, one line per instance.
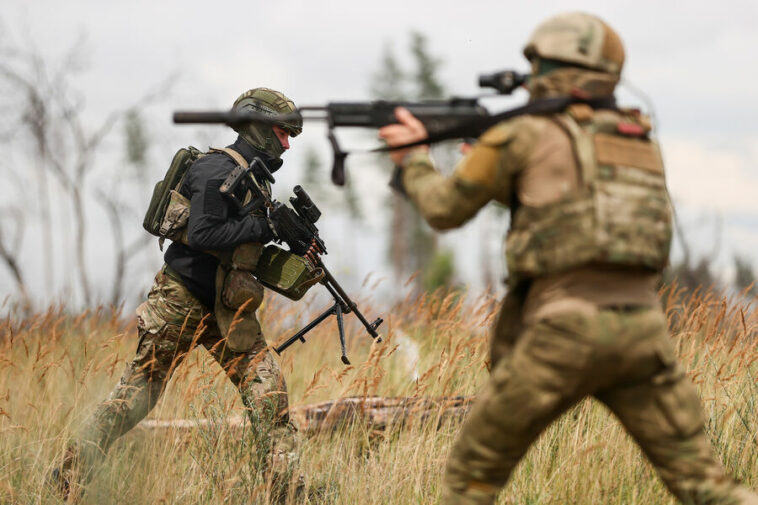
[694, 60]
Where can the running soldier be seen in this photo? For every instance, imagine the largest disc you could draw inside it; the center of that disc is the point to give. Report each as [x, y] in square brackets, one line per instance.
[590, 233]
[203, 296]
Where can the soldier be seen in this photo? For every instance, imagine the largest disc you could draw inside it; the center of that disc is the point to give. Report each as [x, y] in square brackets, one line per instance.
[195, 297]
[590, 233]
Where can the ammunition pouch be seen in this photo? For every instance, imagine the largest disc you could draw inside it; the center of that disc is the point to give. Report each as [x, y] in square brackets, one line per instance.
[241, 291]
[238, 296]
[174, 222]
[286, 273]
[246, 256]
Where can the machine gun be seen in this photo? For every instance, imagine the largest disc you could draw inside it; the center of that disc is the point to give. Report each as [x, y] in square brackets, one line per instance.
[296, 227]
[443, 119]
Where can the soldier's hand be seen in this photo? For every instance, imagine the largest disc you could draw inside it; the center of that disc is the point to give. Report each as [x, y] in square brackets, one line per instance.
[407, 131]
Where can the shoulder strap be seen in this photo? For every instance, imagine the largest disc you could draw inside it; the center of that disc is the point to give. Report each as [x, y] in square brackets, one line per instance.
[241, 161]
[583, 146]
[237, 157]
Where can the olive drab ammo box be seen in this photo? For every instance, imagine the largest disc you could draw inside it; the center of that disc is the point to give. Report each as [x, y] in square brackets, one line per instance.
[286, 273]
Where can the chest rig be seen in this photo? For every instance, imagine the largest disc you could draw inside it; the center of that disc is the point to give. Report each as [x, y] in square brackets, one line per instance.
[621, 214]
[238, 293]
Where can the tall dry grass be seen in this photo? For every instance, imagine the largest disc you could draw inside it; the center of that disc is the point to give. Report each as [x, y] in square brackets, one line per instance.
[55, 367]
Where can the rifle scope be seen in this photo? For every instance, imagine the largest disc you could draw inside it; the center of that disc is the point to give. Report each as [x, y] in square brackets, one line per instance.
[304, 205]
[505, 82]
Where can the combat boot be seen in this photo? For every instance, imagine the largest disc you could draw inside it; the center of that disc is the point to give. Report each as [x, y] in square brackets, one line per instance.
[282, 462]
[66, 479]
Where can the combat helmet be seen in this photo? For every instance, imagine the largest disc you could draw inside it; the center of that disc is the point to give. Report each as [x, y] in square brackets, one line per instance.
[270, 102]
[577, 39]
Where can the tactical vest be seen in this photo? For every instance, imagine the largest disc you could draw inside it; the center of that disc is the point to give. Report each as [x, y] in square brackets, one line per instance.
[279, 270]
[168, 213]
[620, 216]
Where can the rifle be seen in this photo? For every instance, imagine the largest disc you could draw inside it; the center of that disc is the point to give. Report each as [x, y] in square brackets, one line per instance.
[296, 227]
[443, 119]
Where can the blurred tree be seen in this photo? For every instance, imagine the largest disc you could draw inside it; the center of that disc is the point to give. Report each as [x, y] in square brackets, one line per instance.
[744, 279]
[388, 82]
[324, 193]
[691, 274]
[425, 77]
[136, 138]
[352, 202]
[117, 205]
[314, 179]
[440, 271]
[413, 245]
[10, 251]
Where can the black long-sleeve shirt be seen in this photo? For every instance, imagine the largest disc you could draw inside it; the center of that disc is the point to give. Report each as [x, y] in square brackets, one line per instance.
[214, 221]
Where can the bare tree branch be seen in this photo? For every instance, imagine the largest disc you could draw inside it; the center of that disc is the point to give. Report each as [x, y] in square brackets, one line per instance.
[10, 255]
[66, 148]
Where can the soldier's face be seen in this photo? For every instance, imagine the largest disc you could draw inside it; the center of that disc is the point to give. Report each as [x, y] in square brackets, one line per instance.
[283, 137]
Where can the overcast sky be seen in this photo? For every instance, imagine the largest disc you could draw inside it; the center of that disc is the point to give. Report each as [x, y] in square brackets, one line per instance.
[695, 60]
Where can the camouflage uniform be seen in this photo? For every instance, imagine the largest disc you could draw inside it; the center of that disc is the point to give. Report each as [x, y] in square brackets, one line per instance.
[171, 323]
[590, 232]
[176, 318]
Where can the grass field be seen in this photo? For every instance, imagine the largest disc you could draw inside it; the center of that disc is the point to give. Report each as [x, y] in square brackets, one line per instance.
[55, 367]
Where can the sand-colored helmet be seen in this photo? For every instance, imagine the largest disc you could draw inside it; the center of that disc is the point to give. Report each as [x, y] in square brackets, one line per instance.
[578, 39]
[270, 102]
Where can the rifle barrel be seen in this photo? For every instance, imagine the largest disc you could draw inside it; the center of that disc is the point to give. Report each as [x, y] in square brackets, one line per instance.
[240, 118]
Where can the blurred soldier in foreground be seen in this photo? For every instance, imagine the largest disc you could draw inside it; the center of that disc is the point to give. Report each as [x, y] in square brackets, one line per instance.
[589, 236]
[203, 295]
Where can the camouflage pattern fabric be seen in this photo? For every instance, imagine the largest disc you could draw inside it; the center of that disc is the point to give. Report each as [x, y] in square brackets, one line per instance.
[621, 216]
[562, 340]
[580, 39]
[621, 357]
[171, 323]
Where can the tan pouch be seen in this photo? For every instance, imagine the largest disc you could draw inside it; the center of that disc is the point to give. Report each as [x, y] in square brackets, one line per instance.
[246, 256]
[239, 287]
[241, 330]
[176, 217]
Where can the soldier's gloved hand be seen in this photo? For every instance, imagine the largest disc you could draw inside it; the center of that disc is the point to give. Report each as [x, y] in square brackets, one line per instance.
[408, 130]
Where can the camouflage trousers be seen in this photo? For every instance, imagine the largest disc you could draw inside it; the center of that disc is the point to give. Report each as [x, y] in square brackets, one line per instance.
[625, 359]
[171, 323]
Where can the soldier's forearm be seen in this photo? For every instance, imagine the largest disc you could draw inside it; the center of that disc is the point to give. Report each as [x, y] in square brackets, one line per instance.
[444, 202]
[209, 234]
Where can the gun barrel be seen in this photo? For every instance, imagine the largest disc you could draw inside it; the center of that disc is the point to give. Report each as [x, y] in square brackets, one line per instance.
[436, 115]
[231, 117]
